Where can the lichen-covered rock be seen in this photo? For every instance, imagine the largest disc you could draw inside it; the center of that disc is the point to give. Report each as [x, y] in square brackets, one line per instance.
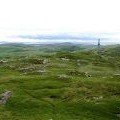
[5, 96]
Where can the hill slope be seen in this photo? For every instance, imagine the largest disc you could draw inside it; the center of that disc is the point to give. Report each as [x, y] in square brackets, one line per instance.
[64, 84]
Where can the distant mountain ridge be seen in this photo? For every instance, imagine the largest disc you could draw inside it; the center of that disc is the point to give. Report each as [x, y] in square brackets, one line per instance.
[61, 36]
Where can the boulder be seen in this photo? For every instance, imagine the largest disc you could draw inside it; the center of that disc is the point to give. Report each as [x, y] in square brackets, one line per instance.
[98, 98]
[79, 73]
[5, 96]
[63, 76]
[2, 61]
[65, 59]
[41, 71]
[118, 115]
[116, 75]
[45, 61]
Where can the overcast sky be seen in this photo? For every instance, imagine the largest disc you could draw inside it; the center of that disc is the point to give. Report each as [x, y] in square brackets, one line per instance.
[59, 16]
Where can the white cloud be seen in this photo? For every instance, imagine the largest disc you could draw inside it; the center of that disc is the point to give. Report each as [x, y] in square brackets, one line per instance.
[54, 16]
[60, 15]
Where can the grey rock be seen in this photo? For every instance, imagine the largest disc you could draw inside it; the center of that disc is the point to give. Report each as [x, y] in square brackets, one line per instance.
[41, 71]
[78, 73]
[118, 115]
[63, 76]
[5, 96]
[98, 98]
[65, 59]
[117, 75]
[45, 61]
[3, 61]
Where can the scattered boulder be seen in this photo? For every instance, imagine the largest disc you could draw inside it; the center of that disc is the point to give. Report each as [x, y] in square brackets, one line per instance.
[78, 73]
[63, 76]
[98, 98]
[87, 75]
[5, 96]
[116, 75]
[12, 67]
[26, 69]
[45, 61]
[78, 64]
[65, 59]
[103, 77]
[118, 115]
[35, 61]
[38, 61]
[2, 61]
[74, 72]
[41, 71]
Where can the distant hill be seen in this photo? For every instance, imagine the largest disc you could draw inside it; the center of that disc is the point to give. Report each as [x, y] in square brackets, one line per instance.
[24, 49]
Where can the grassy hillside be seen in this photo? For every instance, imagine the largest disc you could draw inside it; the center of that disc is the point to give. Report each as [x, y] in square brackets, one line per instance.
[60, 83]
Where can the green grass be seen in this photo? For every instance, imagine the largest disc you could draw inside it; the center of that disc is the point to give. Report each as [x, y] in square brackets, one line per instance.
[44, 96]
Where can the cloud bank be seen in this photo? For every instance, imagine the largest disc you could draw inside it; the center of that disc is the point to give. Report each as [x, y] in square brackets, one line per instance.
[45, 38]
